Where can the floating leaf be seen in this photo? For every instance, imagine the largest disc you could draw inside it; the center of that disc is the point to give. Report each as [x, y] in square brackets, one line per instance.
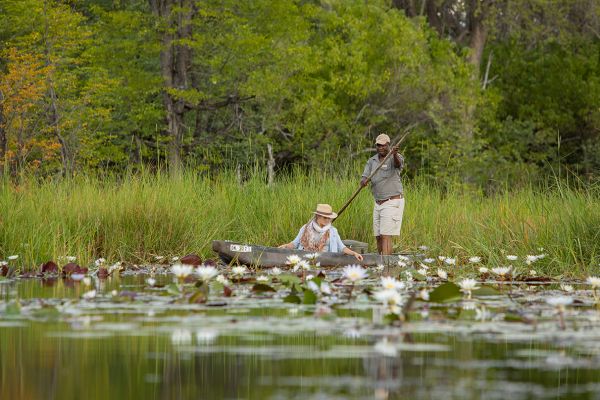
[292, 298]
[288, 279]
[199, 297]
[173, 289]
[445, 293]
[261, 287]
[309, 297]
[486, 291]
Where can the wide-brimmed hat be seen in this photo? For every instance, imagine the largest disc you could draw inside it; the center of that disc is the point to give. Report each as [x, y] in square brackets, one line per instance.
[382, 139]
[325, 210]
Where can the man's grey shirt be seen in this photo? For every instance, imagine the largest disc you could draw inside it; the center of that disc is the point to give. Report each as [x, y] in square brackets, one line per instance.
[386, 182]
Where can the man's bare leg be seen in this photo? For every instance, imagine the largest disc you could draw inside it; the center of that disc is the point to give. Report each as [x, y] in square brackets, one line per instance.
[386, 244]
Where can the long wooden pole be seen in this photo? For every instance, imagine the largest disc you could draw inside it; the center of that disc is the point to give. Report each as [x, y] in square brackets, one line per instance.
[360, 187]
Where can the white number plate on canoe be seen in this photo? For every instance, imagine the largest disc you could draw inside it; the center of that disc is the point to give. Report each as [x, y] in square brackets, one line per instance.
[240, 248]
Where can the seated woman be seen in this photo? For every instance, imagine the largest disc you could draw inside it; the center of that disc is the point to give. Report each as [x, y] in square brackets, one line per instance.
[319, 235]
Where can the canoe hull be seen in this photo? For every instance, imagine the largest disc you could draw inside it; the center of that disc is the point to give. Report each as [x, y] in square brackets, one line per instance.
[255, 255]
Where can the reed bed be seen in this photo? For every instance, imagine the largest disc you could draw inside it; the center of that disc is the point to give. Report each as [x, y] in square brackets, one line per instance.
[136, 218]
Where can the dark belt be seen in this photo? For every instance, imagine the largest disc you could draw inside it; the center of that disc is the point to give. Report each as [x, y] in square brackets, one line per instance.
[397, 197]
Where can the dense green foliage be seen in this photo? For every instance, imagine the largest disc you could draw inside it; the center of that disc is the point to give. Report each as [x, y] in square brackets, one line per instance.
[139, 217]
[88, 85]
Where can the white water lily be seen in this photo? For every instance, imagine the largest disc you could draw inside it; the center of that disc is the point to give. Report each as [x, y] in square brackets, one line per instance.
[483, 270]
[532, 272]
[99, 262]
[206, 272]
[482, 314]
[474, 259]
[222, 280]
[467, 286]
[401, 264]
[594, 281]
[151, 281]
[89, 295]
[354, 273]
[422, 271]
[559, 302]
[275, 271]
[441, 258]
[262, 279]
[408, 276]
[114, 293]
[423, 266]
[380, 267]
[114, 267]
[511, 257]
[11, 258]
[293, 259]
[311, 256]
[325, 288]
[181, 271]
[390, 283]
[159, 258]
[424, 295]
[3, 263]
[530, 259]
[388, 297]
[313, 286]
[302, 265]
[450, 261]
[87, 281]
[442, 274]
[566, 288]
[428, 260]
[175, 259]
[403, 258]
[502, 271]
[70, 258]
[239, 270]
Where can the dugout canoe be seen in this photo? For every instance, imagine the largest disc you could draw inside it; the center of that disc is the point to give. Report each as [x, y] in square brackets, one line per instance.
[264, 256]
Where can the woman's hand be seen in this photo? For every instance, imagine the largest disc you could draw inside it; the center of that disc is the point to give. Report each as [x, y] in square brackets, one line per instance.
[284, 246]
[358, 256]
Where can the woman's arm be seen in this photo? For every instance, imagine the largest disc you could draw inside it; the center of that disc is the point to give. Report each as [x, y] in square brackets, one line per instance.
[289, 245]
[351, 252]
[294, 244]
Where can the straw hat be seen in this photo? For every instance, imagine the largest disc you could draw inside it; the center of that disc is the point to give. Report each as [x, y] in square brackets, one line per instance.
[382, 139]
[325, 210]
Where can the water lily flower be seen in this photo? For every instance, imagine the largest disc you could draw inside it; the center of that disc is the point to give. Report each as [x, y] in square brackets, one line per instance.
[423, 247]
[401, 264]
[423, 266]
[483, 270]
[467, 286]
[450, 261]
[566, 288]
[325, 288]
[3, 263]
[87, 281]
[175, 259]
[206, 272]
[99, 262]
[89, 295]
[10, 258]
[114, 293]
[532, 272]
[559, 301]
[71, 258]
[313, 286]
[354, 273]
[441, 258]
[481, 314]
[309, 277]
[388, 297]
[386, 349]
[422, 271]
[222, 280]
[262, 278]
[474, 259]
[408, 276]
[151, 281]
[311, 256]
[424, 295]
[114, 267]
[594, 281]
[540, 256]
[390, 283]
[380, 267]
[511, 257]
[502, 271]
[181, 271]
[442, 274]
[293, 259]
[403, 258]
[159, 258]
[239, 270]
[302, 265]
[428, 260]
[275, 271]
[530, 259]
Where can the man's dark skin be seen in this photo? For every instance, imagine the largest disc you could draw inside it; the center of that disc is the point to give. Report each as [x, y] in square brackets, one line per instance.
[384, 242]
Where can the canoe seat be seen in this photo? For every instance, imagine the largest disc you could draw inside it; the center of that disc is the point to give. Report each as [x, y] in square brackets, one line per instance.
[359, 247]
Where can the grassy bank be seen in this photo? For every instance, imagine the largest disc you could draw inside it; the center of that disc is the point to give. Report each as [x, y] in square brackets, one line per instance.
[137, 218]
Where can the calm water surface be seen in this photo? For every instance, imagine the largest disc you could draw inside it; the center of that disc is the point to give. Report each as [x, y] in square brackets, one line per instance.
[146, 344]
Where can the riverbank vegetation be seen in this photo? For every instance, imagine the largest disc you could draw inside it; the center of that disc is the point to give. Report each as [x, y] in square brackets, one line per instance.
[142, 216]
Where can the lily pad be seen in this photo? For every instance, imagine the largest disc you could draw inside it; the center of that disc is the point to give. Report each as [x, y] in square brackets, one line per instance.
[445, 293]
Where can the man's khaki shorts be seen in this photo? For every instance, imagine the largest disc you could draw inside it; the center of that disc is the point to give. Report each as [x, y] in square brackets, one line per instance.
[387, 217]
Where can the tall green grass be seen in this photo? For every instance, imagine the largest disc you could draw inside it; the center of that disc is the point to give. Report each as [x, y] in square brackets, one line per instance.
[136, 218]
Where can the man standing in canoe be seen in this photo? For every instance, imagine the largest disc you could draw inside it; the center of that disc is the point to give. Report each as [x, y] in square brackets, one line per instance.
[386, 186]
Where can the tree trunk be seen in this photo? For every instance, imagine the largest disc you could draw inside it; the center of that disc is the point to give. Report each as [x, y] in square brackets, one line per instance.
[478, 32]
[3, 140]
[175, 62]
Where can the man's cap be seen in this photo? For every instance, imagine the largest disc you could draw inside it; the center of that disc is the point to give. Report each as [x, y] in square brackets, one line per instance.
[382, 139]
